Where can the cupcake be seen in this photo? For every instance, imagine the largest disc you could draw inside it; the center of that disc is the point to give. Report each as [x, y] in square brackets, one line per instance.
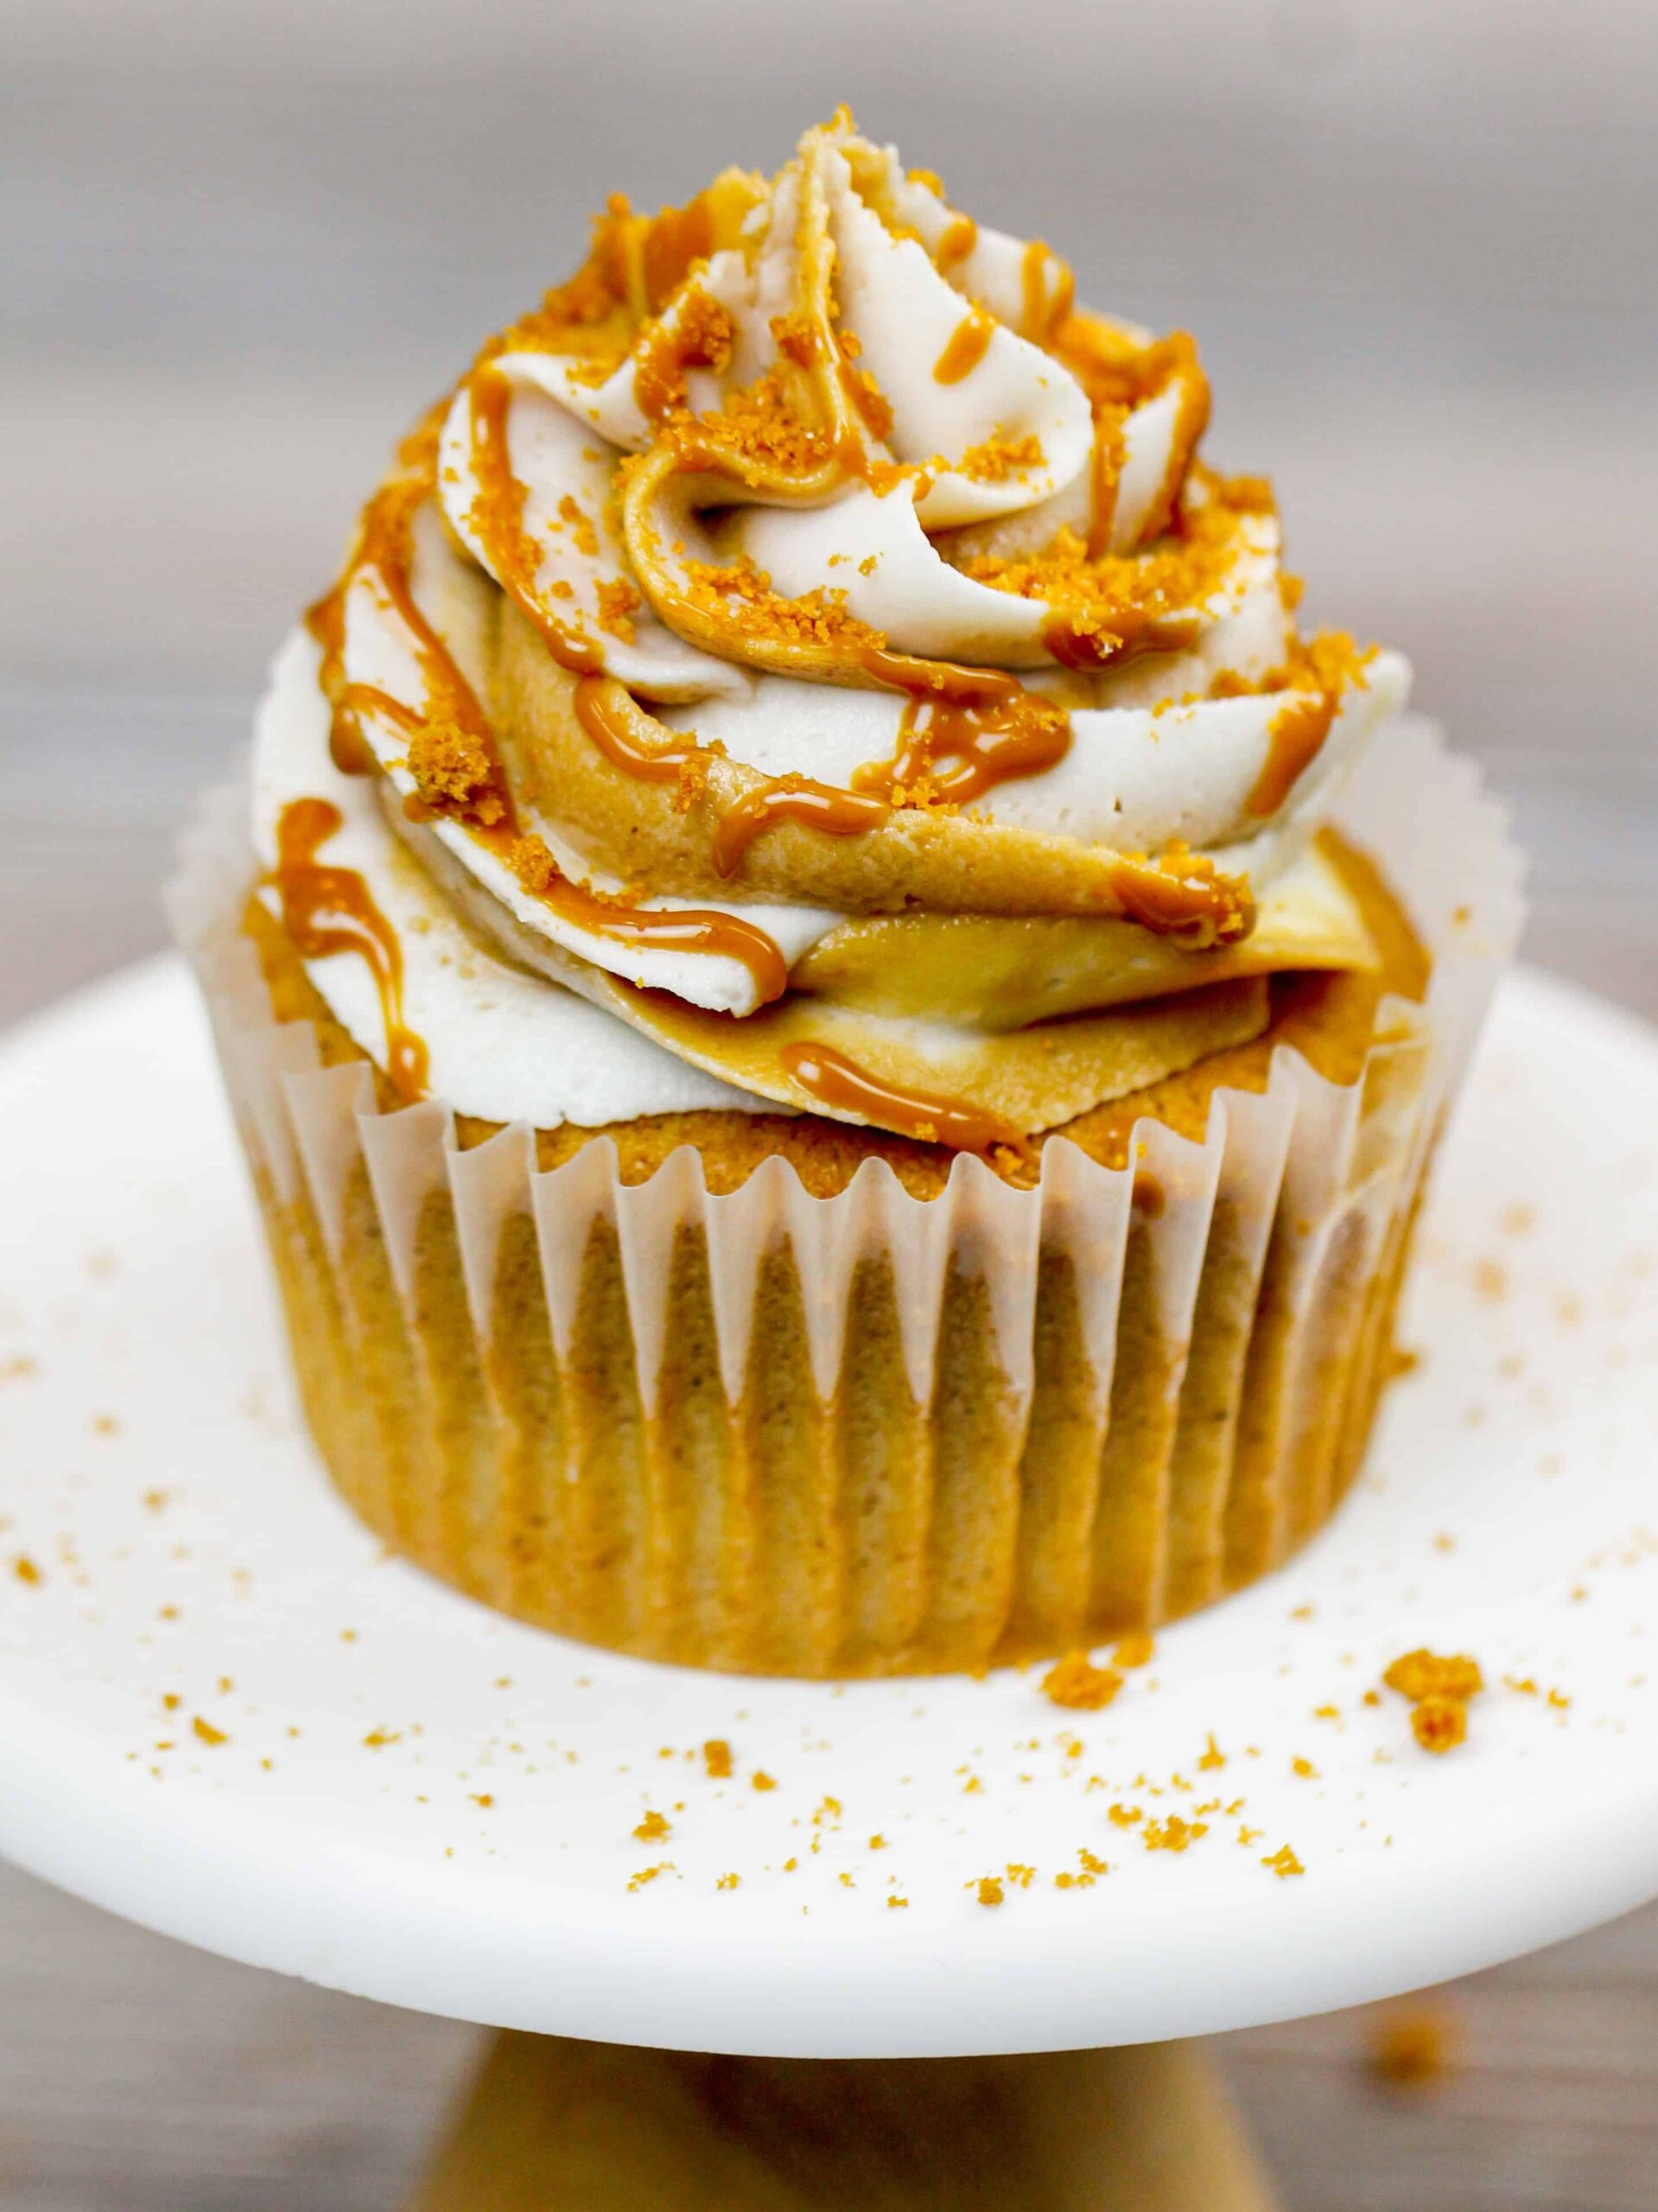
[837, 1019]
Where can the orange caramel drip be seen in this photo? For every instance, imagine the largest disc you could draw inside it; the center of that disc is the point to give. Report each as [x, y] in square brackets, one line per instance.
[325, 621]
[956, 245]
[677, 238]
[1105, 465]
[385, 547]
[497, 516]
[1120, 376]
[330, 910]
[781, 798]
[965, 348]
[870, 406]
[700, 338]
[948, 680]
[659, 374]
[792, 799]
[612, 733]
[1131, 631]
[1044, 310]
[1184, 899]
[1190, 420]
[688, 929]
[984, 727]
[931, 1116]
[961, 751]
[1295, 740]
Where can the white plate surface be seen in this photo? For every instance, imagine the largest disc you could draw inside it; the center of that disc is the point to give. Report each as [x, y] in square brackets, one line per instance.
[418, 1801]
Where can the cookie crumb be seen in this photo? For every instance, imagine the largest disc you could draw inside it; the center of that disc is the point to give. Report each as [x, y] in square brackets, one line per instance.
[1076, 1683]
[1439, 1687]
[1439, 1724]
[1425, 1674]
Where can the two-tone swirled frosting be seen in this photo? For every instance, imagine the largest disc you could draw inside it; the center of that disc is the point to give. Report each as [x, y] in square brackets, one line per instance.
[806, 663]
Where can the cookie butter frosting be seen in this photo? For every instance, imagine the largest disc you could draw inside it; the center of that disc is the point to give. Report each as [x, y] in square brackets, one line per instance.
[806, 663]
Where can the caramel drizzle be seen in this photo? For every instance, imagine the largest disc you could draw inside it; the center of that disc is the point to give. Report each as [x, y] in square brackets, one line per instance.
[965, 347]
[1044, 310]
[984, 727]
[497, 516]
[1121, 380]
[325, 621]
[688, 929]
[385, 545]
[929, 1117]
[330, 910]
[1121, 636]
[1190, 420]
[700, 339]
[959, 752]
[673, 242]
[1184, 897]
[1294, 741]
[792, 799]
[1105, 464]
[659, 373]
[681, 760]
[985, 724]
[612, 731]
[957, 244]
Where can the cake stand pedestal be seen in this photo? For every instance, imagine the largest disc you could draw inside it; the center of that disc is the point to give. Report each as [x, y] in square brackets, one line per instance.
[226, 1714]
[555, 2124]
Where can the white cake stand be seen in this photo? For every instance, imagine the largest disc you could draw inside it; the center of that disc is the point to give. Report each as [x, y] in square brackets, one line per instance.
[224, 1713]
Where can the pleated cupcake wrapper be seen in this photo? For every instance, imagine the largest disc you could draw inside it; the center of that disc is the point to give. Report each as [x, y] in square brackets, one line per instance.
[1314, 1183]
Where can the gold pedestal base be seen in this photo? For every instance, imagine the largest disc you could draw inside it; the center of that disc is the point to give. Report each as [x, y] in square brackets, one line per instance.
[553, 2125]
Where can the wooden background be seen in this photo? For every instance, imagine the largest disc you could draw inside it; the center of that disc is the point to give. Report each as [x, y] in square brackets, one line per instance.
[241, 244]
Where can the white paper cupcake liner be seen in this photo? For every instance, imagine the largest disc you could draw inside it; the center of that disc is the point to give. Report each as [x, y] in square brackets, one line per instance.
[1115, 1410]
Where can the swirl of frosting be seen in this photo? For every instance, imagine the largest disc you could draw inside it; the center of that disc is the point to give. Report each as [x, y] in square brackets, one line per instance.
[810, 575]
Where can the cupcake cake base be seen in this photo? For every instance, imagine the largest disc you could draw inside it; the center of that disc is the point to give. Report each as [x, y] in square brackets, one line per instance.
[582, 1381]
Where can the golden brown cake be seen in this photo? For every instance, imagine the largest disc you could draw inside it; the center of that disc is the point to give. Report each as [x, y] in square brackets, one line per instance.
[837, 1020]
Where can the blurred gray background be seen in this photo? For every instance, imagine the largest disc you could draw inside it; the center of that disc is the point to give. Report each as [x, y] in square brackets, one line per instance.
[244, 240]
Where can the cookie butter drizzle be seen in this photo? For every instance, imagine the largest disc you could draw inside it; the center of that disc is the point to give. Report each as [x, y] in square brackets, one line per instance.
[328, 910]
[1118, 378]
[1295, 740]
[962, 732]
[384, 551]
[607, 714]
[929, 1117]
[822, 807]
[476, 794]
[965, 346]
[497, 516]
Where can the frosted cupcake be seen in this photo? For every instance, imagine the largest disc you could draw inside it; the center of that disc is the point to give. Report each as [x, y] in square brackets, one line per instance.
[838, 1021]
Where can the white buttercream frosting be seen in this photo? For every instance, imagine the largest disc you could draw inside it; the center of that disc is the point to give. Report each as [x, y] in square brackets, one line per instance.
[955, 467]
[504, 1044]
